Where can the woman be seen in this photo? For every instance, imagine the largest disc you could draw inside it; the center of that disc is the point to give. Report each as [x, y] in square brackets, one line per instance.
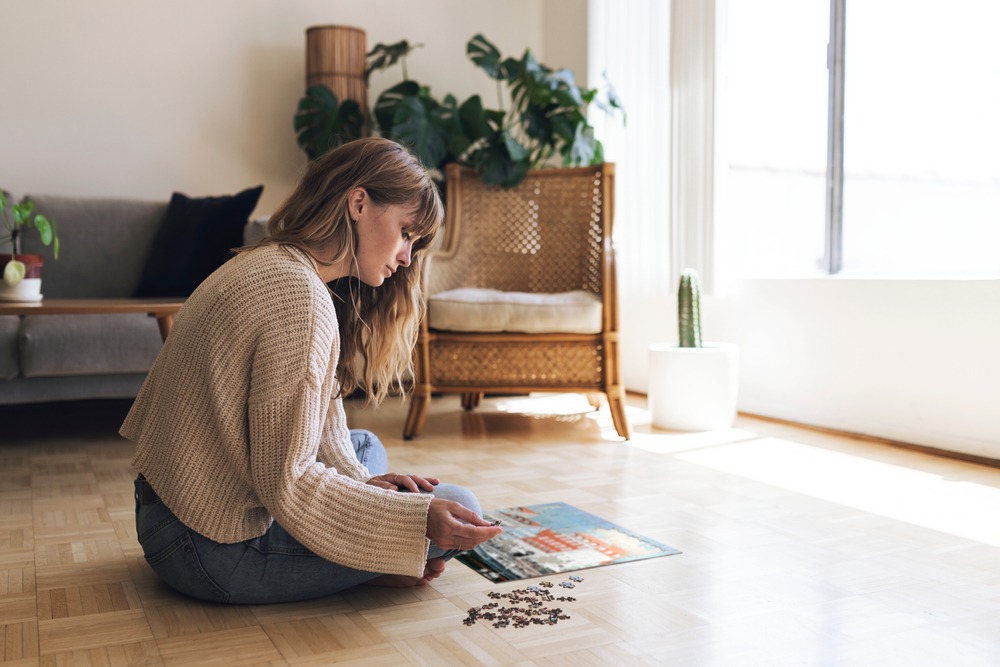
[251, 488]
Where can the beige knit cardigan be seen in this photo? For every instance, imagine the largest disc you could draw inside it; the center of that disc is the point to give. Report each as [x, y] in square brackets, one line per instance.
[237, 425]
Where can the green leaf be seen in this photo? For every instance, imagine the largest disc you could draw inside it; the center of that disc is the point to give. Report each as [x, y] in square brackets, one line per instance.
[474, 118]
[322, 122]
[389, 101]
[582, 149]
[413, 127]
[448, 117]
[495, 118]
[495, 165]
[44, 229]
[512, 69]
[565, 84]
[537, 124]
[22, 212]
[598, 152]
[14, 272]
[384, 56]
[517, 152]
[485, 55]
[564, 126]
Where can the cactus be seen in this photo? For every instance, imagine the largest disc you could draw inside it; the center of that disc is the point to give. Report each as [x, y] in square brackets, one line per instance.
[689, 309]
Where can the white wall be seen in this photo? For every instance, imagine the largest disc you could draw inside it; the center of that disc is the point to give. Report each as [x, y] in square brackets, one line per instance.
[910, 360]
[565, 37]
[140, 98]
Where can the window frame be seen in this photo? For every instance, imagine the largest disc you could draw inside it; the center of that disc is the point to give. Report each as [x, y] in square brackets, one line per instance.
[834, 245]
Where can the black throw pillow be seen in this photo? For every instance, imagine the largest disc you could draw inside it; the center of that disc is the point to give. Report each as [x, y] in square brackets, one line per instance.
[195, 239]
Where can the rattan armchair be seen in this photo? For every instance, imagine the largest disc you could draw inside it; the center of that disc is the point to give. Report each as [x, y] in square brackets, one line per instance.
[551, 234]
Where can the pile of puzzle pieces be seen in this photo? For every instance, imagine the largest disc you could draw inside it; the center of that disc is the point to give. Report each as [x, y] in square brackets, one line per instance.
[533, 611]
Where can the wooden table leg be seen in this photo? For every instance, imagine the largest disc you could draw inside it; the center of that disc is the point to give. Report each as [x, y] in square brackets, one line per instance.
[165, 322]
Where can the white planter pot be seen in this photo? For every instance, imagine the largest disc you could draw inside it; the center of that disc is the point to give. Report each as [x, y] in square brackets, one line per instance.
[29, 289]
[693, 389]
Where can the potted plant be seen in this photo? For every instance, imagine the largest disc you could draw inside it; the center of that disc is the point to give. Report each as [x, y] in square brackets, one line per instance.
[693, 386]
[546, 119]
[22, 274]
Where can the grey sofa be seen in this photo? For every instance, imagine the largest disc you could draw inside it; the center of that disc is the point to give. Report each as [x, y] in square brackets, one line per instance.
[104, 244]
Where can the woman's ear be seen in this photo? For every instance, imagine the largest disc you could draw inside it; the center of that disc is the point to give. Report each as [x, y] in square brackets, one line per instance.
[356, 202]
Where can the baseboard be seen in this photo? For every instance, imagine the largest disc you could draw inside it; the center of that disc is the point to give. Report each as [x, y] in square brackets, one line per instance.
[925, 449]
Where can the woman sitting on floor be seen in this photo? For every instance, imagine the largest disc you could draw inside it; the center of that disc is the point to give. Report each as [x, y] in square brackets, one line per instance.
[251, 488]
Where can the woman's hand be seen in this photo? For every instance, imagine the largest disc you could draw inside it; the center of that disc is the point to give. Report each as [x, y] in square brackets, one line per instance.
[451, 525]
[395, 481]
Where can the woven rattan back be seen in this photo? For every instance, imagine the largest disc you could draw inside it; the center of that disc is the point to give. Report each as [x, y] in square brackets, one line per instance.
[547, 234]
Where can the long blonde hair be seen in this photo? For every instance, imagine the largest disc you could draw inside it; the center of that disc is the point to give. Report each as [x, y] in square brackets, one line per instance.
[378, 326]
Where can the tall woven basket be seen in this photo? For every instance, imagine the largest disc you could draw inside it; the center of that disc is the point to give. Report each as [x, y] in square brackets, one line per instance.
[336, 58]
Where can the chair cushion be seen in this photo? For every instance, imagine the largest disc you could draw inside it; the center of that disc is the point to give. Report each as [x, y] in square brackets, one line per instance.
[194, 240]
[489, 310]
[54, 345]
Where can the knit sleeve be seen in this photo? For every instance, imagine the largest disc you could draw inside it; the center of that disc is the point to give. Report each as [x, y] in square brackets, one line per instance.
[336, 449]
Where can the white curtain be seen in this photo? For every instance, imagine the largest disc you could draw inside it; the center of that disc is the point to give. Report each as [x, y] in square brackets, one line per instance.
[663, 156]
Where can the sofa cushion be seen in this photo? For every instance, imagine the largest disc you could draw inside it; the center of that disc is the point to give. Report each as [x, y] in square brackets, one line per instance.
[54, 345]
[195, 239]
[103, 244]
[475, 309]
[9, 325]
[255, 231]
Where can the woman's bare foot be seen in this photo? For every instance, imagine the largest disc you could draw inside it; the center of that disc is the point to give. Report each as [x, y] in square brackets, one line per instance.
[432, 570]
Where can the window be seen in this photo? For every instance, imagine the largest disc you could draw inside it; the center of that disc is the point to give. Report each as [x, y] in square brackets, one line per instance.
[921, 139]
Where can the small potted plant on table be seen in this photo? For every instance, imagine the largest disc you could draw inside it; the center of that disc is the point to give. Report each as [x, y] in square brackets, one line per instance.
[22, 274]
[692, 386]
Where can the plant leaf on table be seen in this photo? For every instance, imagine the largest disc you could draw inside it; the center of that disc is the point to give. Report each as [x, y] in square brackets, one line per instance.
[14, 272]
[21, 216]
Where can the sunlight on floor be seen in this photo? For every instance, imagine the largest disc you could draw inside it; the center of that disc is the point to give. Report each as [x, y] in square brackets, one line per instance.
[897, 492]
[893, 491]
[670, 442]
[546, 404]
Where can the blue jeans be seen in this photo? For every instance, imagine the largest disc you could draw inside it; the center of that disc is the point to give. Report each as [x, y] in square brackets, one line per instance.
[274, 567]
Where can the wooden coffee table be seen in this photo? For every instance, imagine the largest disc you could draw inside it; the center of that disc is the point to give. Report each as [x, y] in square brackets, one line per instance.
[162, 309]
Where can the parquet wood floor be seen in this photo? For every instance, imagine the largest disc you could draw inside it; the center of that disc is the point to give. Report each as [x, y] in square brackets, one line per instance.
[799, 548]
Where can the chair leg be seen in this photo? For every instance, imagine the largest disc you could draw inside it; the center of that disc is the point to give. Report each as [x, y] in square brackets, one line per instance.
[596, 399]
[470, 399]
[616, 402]
[419, 403]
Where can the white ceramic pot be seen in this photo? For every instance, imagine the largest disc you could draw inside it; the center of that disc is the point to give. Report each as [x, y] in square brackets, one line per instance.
[29, 289]
[693, 389]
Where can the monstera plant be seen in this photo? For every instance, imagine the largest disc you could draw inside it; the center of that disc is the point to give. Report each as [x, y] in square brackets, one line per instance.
[546, 119]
